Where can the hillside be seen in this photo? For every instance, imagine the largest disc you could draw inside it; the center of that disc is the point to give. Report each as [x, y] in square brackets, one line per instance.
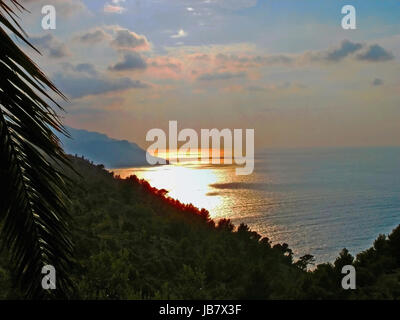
[144, 245]
[102, 149]
[133, 242]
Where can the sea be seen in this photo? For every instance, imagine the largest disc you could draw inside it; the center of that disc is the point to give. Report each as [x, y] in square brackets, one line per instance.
[317, 200]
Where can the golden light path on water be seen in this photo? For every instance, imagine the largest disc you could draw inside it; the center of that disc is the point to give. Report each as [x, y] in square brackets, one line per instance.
[188, 182]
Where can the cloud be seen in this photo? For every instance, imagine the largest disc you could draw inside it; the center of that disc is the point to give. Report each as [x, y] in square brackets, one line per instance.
[81, 68]
[119, 38]
[78, 86]
[377, 82]
[51, 46]
[345, 49]
[375, 53]
[130, 61]
[86, 68]
[221, 76]
[181, 34]
[111, 8]
[167, 64]
[93, 37]
[252, 61]
[165, 67]
[199, 57]
[129, 40]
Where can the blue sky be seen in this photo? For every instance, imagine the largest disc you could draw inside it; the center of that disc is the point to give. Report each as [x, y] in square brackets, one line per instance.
[285, 68]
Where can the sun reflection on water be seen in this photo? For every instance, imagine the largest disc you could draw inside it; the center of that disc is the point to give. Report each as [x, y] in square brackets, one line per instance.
[184, 182]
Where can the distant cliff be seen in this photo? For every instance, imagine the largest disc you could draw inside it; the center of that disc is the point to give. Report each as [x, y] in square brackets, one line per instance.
[102, 149]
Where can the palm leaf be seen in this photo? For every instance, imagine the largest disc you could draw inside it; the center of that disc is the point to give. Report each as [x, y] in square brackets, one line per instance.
[33, 199]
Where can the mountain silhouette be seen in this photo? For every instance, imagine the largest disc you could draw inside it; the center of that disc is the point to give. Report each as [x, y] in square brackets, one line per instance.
[104, 150]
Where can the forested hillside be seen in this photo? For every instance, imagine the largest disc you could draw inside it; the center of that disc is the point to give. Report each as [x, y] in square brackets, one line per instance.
[133, 242]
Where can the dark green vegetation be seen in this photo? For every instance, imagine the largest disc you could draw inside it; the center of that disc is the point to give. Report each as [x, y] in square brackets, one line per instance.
[132, 242]
[32, 202]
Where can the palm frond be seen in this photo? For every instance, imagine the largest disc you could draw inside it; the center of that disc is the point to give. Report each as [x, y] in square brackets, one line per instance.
[33, 190]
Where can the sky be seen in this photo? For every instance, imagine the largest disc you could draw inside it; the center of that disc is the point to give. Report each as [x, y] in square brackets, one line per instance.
[285, 68]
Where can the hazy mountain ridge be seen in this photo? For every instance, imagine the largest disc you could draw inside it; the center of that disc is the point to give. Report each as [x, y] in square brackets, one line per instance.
[100, 148]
